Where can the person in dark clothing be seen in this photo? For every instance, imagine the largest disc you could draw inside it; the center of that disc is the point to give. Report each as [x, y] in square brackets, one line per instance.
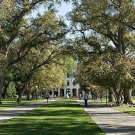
[47, 97]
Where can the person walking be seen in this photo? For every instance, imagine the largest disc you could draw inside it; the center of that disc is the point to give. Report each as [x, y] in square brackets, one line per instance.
[86, 99]
[98, 99]
[47, 97]
[80, 96]
[55, 96]
[67, 96]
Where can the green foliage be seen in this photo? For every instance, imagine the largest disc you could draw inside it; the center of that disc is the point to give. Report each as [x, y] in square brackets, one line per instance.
[6, 8]
[107, 19]
[103, 29]
[48, 78]
[108, 71]
[27, 43]
[11, 90]
[20, 33]
[69, 65]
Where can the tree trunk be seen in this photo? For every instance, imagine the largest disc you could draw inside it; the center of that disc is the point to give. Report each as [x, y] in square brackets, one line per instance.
[118, 99]
[5, 90]
[21, 93]
[1, 86]
[32, 95]
[128, 96]
[117, 96]
[28, 92]
[111, 96]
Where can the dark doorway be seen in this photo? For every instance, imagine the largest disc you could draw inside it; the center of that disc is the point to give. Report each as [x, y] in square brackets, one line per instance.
[56, 93]
[74, 92]
[61, 92]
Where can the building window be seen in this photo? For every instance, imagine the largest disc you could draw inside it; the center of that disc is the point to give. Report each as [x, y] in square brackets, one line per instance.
[67, 83]
[74, 84]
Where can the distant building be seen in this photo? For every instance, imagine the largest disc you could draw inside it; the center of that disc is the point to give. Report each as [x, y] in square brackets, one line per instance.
[71, 89]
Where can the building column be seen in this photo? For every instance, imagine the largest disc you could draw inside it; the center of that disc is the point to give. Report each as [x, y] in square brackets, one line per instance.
[83, 92]
[71, 92]
[65, 93]
[58, 92]
[52, 94]
[90, 94]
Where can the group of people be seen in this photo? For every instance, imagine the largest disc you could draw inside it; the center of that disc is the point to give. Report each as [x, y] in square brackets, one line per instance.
[85, 97]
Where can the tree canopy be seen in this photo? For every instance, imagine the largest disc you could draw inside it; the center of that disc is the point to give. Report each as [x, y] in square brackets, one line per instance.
[104, 31]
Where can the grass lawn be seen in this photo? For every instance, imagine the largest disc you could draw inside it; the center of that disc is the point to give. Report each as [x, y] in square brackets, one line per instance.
[11, 102]
[103, 100]
[62, 117]
[126, 109]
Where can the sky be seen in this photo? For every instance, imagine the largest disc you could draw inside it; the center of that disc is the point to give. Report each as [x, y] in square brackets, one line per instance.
[62, 10]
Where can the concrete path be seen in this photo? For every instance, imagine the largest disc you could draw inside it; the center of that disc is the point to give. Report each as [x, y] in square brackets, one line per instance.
[9, 113]
[111, 121]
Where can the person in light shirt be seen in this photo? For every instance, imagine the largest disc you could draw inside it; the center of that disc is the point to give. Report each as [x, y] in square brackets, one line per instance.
[86, 99]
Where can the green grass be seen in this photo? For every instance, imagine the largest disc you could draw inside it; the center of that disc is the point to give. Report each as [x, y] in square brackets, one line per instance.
[62, 117]
[126, 109]
[11, 102]
[103, 100]
[129, 110]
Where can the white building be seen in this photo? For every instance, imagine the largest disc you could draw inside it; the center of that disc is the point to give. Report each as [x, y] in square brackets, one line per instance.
[71, 89]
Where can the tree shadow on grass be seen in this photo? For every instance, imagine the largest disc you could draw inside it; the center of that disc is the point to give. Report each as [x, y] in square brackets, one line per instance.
[49, 127]
[58, 118]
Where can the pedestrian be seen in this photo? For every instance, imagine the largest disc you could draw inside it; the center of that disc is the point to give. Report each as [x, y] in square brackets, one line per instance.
[50, 96]
[55, 96]
[47, 97]
[80, 96]
[98, 99]
[67, 96]
[86, 99]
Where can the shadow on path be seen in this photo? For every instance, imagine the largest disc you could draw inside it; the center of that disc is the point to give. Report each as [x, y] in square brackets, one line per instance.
[9, 113]
[111, 121]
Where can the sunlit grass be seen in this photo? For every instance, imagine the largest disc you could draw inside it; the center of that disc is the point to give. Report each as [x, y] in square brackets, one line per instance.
[103, 100]
[62, 117]
[126, 109]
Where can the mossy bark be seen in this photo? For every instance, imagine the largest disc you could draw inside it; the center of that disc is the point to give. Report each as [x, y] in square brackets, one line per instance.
[128, 96]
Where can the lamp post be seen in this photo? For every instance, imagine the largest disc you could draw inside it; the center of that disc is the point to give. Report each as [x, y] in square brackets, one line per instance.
[36, 91]
[106, 95]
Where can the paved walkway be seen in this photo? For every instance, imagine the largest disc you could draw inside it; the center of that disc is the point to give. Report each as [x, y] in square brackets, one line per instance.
[9, 113]
[111, 121]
